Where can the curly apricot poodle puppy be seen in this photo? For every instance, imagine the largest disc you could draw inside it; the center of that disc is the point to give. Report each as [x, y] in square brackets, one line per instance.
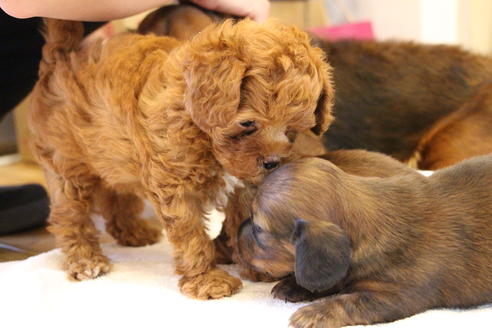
[145, 116]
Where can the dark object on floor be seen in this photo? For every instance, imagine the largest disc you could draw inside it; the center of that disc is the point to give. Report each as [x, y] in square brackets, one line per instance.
[22, 207]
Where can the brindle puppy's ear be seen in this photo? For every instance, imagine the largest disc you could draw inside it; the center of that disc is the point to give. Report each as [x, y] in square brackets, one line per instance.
[322, 255]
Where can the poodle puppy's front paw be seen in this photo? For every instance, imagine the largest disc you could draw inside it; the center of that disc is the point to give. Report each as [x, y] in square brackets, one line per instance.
[213, 284]
[83, 269]
[288, 290]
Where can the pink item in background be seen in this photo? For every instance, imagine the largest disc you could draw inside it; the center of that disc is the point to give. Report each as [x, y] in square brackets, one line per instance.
[358, 30]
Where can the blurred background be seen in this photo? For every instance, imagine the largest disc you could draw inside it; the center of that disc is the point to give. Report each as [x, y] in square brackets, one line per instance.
[466, 23]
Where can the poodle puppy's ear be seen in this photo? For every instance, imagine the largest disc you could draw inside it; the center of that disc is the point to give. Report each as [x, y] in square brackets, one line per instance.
[213, 75]
[325, 102]
[322, 255]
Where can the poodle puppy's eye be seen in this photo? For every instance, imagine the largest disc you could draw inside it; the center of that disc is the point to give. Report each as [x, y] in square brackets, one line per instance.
[247, 124]
[250, 128]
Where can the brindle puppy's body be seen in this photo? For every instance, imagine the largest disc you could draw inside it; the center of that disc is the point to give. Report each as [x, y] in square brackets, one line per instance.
[391, 247]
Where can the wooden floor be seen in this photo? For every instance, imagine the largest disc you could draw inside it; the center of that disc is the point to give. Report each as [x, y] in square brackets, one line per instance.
[22, 245]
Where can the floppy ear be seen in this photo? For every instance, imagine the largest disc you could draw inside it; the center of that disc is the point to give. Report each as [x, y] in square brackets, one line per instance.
[322, 255]
[213, 75]
[323, 108]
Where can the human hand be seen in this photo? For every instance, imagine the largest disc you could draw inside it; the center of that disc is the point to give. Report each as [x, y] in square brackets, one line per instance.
[257, 10]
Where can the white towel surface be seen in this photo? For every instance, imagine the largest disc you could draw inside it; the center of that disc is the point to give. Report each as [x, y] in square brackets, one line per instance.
[141, 291]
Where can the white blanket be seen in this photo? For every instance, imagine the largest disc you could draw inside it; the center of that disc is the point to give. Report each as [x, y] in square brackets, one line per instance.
[141, 291]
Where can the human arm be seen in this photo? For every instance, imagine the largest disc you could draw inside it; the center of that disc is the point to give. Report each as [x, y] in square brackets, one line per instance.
[104, 10]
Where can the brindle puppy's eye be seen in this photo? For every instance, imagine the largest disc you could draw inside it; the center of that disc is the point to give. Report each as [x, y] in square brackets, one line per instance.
[257, 229]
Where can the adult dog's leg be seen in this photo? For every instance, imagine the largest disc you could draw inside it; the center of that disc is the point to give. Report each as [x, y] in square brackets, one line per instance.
[463, 134]
[70, 222]
[121, 211]
[194, 252]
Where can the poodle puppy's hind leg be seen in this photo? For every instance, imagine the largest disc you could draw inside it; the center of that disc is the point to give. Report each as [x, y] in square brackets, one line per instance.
[121, 212]
[72, 226]
[223, 252]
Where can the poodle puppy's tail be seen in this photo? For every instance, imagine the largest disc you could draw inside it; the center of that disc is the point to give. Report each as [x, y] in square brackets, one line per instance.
[61, 37]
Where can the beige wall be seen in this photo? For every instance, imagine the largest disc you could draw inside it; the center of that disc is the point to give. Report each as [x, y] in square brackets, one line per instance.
[464, 22]
[475, 25]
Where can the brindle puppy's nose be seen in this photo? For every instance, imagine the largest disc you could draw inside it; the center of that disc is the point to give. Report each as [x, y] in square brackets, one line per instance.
[271, 163]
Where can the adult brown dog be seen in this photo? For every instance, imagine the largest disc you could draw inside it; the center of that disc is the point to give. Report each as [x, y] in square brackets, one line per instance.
[426, 105]
[146, 116]
[382, 248]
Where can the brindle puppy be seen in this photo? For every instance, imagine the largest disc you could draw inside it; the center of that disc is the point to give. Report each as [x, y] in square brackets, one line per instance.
[238, 209]
[383, 248]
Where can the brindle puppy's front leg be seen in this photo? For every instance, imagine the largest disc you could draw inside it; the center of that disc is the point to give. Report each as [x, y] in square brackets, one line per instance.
[288, 290]
[194, 253]
[357, 308]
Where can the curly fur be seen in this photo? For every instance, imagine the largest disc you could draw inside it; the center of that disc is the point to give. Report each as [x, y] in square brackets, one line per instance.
[145, 116]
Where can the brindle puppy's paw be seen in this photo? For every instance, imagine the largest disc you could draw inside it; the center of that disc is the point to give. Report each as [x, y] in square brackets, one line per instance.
[313, 316]
[288, 290]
